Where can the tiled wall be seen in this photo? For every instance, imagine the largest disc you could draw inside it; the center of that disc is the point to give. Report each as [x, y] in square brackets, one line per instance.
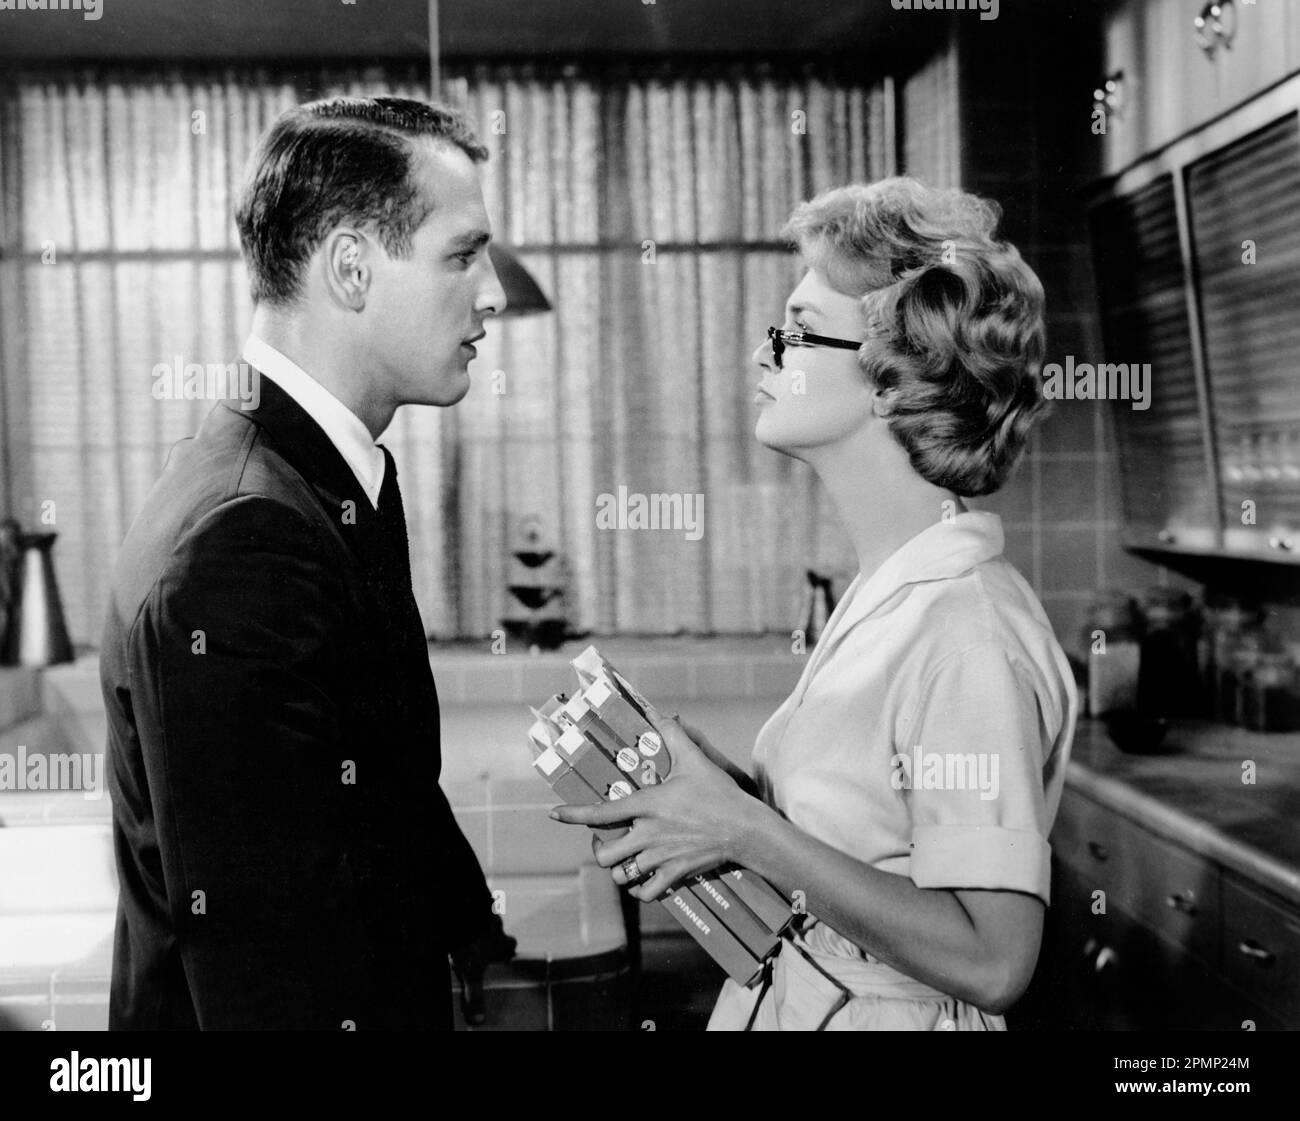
[1025, 143]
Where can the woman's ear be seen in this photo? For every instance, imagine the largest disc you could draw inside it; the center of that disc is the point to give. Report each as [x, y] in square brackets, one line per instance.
[882, 402]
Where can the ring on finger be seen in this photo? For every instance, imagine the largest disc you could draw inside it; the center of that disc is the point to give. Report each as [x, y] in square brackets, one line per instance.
[631, 869]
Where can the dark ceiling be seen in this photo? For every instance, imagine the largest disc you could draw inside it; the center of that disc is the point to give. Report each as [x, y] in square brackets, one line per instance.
[269, 29]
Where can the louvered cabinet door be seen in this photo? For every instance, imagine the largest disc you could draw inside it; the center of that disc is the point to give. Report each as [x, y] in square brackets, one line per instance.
[1244, 203]
[1166, 482]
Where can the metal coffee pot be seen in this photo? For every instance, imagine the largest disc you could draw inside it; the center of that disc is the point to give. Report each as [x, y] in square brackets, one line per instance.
[32, 629]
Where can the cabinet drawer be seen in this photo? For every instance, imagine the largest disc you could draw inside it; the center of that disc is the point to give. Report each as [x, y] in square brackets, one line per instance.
[1261, 949]
[1173, 892]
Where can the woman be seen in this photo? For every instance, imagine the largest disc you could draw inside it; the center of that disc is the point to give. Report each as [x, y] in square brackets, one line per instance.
[908, 785]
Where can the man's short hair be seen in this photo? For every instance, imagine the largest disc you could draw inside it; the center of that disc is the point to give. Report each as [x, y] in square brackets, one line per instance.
[341, 161]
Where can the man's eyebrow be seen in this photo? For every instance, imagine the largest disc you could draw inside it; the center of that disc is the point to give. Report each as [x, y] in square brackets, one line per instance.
[474, 239]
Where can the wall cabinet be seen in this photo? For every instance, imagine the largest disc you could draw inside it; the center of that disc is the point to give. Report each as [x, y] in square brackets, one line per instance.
[1172, 85]
[1177, 85]
[1197, 257]
[1292, 36]
[1124, 139]
[1168, 495]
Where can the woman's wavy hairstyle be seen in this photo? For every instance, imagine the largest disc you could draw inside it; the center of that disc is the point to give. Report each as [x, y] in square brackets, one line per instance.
[955, 321]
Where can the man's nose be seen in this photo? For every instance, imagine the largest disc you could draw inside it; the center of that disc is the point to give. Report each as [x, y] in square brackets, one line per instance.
[492, 296]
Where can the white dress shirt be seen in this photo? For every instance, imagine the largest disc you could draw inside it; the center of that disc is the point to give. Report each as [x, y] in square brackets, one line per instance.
[340, 424]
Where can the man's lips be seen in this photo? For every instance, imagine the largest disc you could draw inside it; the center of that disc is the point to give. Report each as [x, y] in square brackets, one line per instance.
[468, 347]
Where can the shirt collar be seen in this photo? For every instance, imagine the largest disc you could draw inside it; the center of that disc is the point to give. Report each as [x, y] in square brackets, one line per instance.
[337, 421]
[939, 552]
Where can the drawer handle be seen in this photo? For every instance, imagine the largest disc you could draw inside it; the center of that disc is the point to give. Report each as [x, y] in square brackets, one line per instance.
[1256, 951]
[1098, 851]
[1184, 901]
[1282, 544]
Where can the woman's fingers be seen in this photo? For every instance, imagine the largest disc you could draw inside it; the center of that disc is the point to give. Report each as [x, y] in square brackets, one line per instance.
[642, 864]
[610, 853]
[695, 734]
[675, 737]
[619, 812]
[659, 884]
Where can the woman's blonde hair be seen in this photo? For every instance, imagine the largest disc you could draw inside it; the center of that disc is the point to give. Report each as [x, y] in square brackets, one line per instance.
[955, 321]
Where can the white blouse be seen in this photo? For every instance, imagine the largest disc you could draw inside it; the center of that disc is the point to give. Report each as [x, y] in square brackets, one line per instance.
[929, 732]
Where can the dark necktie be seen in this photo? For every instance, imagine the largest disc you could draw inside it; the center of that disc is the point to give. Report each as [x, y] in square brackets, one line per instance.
[392, 514]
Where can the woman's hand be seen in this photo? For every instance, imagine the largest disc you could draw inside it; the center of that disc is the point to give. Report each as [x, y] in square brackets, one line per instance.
[695, 820]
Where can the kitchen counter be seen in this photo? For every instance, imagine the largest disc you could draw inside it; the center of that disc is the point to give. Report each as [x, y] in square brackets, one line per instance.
[1192, 793]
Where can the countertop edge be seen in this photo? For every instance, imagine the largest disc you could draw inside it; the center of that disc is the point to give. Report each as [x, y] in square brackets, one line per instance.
[1198, 836]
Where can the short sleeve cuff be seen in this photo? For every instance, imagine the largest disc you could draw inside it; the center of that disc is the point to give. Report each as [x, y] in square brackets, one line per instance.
[981, 856]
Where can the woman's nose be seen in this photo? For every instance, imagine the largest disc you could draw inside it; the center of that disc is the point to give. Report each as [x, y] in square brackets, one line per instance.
[764, 357]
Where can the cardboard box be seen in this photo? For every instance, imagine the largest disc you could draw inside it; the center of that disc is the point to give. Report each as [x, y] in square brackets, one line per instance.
[760, 897]
[631, 728]
[591, 665]
[718, 942]
[601, 746]
[564, 780]
[572, 789]
[596, 769]
[717, 893]
[580, 715]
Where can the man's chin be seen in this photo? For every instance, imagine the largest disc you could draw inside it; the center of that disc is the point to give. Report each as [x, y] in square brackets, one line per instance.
[445, 390]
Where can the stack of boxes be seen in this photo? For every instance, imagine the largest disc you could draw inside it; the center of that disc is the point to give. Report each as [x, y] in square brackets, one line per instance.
[600, 746]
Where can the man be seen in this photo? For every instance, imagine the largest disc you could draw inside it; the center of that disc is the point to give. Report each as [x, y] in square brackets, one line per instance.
[286, 856]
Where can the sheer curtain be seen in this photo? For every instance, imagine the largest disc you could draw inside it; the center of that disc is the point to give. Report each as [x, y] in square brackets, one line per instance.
[645, 201]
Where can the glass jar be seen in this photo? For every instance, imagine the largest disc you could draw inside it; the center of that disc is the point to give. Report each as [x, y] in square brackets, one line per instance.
[1167, 674]
[1226, 622]
[1236, 680]
[1269, 694]
[1113, 653]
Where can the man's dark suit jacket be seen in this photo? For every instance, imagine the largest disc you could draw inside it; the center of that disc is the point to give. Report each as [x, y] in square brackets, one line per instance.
[286, 856]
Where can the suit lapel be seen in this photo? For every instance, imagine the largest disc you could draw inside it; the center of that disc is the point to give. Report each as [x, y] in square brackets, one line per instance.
[307, 448]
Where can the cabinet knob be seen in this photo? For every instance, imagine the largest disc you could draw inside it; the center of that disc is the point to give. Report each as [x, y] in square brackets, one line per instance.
[1107, 960]
[1254, 950]
[1184, 901]
[1167, 536]
[1099, 852]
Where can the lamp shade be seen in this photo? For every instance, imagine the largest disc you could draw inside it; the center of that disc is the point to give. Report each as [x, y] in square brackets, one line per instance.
[523, 294]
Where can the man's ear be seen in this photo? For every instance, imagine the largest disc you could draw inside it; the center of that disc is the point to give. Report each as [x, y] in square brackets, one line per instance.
[344, 258]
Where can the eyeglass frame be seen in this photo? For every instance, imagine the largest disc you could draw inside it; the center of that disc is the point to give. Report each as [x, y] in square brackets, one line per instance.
[780, 339]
